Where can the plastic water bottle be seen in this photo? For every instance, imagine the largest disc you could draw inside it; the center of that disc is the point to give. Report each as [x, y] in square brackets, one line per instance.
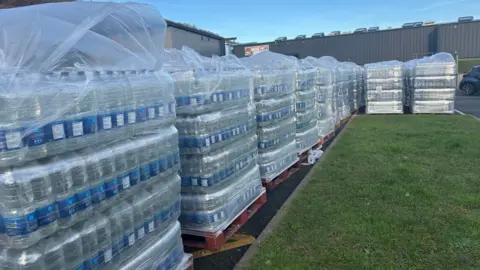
[54, 105]
[96, 244]
[110, 106]
[104, 241]
[122, 226]
[76, 170]
[100, 168]
[81, 119]
[142, 203]
[52, 251]
[126, 164]
[18, 209]
[62, 188]
[130, 106]
[44, 177]
[72, 248]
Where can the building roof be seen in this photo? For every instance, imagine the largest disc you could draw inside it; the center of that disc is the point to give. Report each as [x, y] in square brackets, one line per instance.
[193, 29]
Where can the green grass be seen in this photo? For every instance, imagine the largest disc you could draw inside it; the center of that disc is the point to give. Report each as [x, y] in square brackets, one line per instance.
[395, 192]
[465, 65]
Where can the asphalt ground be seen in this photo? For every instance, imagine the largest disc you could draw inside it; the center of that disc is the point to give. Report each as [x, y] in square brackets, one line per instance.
[255, 225]
[468, 104]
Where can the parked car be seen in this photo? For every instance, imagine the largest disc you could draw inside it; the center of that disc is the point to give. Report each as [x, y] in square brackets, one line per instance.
[470, 83]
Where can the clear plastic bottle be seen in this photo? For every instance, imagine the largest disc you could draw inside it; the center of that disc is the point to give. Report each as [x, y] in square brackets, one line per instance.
[142, 203]
[52, 250]
[54, 105]
[76, 169]
[126, 164]
[100, 169]
[18, 208]
[129, 102]
[110, 105]
[72, 249]
[45, 176]
[81, 118]
[122, 226]
[62, 188]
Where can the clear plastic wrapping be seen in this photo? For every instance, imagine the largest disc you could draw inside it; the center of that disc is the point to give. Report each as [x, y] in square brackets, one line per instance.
[384, 87]
[276, 80]
[210, 131]
[274, 162]
[89, 154]
[207, 84]
[212, 213]
[433, 82]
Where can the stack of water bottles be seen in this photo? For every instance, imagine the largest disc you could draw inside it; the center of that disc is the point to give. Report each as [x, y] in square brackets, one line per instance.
[434, 83]
[324, 95]
[274, 93]
[89, 154]
[306, 105]
[345, 90]
[384, 87]
[408, 81]
[218, 144]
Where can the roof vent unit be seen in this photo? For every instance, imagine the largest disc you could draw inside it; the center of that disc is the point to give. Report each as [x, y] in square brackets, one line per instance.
[465, 19]
[408, 25]
[426, 23]
[360, 30]
[281, 39]
[373, 29]
[301, 37]
[418, 24]
[321, 34]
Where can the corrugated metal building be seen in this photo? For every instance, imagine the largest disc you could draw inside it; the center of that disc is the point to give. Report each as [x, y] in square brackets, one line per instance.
[204, 42]
[402, 44]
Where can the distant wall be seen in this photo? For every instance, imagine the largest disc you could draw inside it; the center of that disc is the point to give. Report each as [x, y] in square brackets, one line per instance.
[396, 44]
[206, 46]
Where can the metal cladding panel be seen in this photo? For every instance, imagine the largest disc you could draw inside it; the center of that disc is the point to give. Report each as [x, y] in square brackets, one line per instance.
[463, 38]
[206, 46]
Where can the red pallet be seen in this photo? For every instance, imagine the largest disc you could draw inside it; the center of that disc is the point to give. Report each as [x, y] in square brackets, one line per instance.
[272, 184]
[216, 242]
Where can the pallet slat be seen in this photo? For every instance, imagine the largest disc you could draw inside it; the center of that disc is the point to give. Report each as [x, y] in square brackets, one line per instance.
[216, 242]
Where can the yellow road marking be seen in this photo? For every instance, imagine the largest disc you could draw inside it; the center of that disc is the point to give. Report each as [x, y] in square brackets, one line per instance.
[237, 240]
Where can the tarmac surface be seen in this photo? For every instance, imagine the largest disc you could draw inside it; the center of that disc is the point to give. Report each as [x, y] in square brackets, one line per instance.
[468, 104]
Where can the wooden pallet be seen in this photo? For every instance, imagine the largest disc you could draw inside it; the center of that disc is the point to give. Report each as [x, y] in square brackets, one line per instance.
[329, 136]
[272, 184]
[216, 241]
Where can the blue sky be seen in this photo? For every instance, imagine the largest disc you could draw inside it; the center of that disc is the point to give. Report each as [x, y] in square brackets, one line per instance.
[265, 20]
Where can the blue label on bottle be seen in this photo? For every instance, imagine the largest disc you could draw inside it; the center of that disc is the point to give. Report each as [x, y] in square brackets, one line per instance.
[89, 263]
[163, 165]
[66, 207]
[145, 173]
[84, 200]
[2, 226]
[154, 168]
[46, 215]
[15, 226]
[74, 128]
[80, 267]
[141, 114]
[105, 122]
[35, 138]
[134, 177]
[111, 188]
[177, 158]
[90, 125]
[98, 194]
[118, 246]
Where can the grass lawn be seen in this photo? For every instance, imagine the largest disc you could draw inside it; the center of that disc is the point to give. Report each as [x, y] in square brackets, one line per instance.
[465, 65]
[395, 192]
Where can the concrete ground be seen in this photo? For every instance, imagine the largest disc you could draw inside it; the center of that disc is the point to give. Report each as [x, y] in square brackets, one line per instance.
[468, 104]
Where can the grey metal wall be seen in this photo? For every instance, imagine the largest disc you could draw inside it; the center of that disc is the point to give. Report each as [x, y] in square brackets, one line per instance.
[206, 46]
[400, 44]
[461, 38]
